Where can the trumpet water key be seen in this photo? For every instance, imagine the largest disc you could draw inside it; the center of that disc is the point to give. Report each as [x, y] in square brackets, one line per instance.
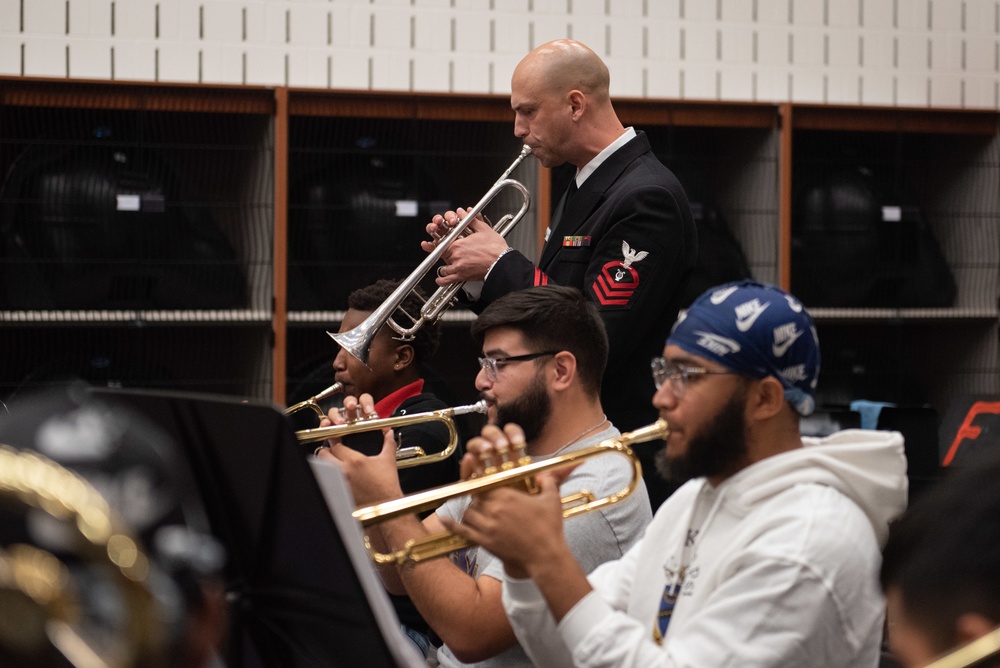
[517, 469]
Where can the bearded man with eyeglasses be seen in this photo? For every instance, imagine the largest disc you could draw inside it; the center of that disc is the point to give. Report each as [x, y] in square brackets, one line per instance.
[544, 350]
[768, 556]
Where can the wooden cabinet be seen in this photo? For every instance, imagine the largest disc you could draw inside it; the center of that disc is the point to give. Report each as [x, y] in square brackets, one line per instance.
[204, 238]
[365, 175]
[137, 236]
[906, 290]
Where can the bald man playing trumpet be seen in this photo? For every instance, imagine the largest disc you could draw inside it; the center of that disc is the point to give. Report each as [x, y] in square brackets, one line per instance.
[622, 234]
[544, 350]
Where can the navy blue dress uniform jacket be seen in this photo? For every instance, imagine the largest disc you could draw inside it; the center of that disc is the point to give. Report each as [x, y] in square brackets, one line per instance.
[627, 239]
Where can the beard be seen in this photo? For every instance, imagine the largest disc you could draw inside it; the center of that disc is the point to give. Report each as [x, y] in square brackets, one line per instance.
[530, 411]
[721, 449]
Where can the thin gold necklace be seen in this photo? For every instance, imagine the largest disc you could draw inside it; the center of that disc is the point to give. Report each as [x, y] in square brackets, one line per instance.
[604, 418]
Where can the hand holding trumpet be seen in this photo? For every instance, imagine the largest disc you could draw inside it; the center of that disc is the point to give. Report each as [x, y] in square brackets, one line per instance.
[521, 529]
[520, 474]
[524, 530]
[470, 256]
[372, 478]
[358, 340]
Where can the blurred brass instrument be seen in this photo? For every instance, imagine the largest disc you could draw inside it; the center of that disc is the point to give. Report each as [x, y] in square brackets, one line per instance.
[313, 402]
[38, 591]
[358, 340]
[405, 457]
[517, 470]
[975, 653]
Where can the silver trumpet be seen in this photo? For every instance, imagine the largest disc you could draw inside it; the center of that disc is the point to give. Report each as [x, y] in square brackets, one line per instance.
[358, 340]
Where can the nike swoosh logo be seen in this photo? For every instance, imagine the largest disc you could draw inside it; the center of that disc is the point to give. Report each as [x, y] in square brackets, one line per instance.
[719, 345]
[720, 296]
[745, 323]
[779, 349]
[793, 304]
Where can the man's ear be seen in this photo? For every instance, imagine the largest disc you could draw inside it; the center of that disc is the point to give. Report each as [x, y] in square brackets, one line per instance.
[564, 369]
[404, 357]
[767, 398]
[577, 103]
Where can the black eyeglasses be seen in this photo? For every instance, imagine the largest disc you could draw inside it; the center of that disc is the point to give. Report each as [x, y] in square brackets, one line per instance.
[492, 365]
[679, 376]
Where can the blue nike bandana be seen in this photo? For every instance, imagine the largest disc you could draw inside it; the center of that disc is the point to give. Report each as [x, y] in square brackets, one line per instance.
[757, 330]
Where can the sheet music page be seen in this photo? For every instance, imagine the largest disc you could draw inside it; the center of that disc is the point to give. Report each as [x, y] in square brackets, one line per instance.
[338, 500]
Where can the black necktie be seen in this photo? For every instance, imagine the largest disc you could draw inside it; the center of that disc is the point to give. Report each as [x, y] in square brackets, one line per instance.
[557, 218]
[572, 189]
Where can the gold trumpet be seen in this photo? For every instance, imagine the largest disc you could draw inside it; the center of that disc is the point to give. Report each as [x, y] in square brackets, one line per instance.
[358, 340]
[313, 402]
[974, 653]
[515, 471]
[405, 457]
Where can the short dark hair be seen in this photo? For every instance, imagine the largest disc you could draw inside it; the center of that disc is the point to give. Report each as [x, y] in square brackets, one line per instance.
[943, 553]
[554, 318]
[425, 340]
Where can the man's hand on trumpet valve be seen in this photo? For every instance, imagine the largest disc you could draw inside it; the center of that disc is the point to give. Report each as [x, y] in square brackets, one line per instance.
[353, 410]
[470, 256]
[441, 225]
[481, 452]
[521, 529]
[372, 479]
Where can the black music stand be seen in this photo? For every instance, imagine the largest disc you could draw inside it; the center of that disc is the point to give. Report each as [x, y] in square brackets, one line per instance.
[302, 589]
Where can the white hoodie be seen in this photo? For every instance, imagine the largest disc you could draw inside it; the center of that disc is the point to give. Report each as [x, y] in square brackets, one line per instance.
[781, 569]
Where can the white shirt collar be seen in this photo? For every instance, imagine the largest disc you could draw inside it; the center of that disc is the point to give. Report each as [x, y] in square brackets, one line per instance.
[591, 166]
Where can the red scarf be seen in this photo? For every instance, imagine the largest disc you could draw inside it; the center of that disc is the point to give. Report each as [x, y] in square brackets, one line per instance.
[389, 403]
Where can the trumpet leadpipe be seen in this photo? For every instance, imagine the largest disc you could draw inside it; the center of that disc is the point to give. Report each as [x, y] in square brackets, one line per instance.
[312, 403]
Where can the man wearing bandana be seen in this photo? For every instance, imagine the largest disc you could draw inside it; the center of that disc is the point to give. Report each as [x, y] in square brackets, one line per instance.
[767, 556]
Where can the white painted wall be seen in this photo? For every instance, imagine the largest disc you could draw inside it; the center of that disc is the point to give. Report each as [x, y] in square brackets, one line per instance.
[923, 53]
